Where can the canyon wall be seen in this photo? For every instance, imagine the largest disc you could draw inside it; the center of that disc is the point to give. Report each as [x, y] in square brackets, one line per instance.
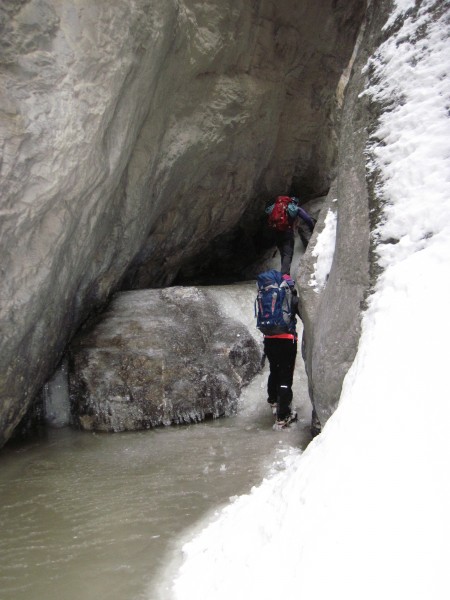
[332, 313]
[133, 134]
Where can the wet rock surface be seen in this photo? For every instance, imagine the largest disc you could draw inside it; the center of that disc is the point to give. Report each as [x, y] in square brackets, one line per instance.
[159, 357]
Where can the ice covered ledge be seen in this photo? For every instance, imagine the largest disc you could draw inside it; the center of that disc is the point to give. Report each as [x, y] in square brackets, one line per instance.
[139, 368]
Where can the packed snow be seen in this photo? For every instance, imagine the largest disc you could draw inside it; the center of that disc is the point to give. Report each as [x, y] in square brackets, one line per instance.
[323, 252]
[363, 513]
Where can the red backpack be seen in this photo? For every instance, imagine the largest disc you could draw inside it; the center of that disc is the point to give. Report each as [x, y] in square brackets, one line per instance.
[279, 218]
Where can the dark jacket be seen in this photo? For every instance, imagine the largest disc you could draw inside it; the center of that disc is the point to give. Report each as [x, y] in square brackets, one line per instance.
[310, 222]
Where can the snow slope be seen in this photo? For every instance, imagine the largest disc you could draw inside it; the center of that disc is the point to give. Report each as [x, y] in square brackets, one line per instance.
[363, 513]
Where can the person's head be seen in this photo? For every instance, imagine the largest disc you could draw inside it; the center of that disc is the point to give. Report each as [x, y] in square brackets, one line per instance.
[295, 199]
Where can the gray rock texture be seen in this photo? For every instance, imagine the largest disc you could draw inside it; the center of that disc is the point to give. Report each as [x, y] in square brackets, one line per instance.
[332, 317]
[132, 134]
[310, 296]
[158, 357]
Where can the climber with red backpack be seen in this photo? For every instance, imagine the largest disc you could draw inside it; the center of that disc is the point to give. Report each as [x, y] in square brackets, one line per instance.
[284, 213]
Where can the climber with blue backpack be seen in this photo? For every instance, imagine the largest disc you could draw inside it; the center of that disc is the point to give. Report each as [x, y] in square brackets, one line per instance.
[276, 308]
[284, 215]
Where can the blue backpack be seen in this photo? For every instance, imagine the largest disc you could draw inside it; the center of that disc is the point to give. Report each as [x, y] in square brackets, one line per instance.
[273, 304]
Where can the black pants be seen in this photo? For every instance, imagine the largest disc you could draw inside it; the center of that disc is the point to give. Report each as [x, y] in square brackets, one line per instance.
[281, 355]
[285, 244]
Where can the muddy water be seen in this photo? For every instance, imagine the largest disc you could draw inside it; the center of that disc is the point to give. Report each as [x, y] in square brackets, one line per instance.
[93, 516]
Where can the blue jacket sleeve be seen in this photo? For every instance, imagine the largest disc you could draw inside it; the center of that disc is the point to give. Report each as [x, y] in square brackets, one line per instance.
[306, 217]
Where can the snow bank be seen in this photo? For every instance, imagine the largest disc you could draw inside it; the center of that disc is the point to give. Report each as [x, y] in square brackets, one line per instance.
[363, 513]
[324, 252]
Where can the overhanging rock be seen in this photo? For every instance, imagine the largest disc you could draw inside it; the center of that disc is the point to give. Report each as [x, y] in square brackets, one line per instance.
[134, 133]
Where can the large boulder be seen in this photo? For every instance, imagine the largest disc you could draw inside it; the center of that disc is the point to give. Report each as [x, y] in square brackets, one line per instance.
[158, 357]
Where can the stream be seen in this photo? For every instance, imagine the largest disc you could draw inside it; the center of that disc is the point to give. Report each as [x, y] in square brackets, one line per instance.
[89, 515]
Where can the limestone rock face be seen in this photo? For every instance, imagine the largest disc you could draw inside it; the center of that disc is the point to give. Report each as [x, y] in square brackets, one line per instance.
[332, 315]
[159, 357]
[311, 295]
[132, 134]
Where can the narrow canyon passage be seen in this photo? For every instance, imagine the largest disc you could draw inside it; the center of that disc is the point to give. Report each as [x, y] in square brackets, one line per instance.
[90, 516]
[137, 136]
[141, 142]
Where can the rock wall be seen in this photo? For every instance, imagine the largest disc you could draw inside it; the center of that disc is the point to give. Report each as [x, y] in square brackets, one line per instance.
[132, 134]
[332, 316]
